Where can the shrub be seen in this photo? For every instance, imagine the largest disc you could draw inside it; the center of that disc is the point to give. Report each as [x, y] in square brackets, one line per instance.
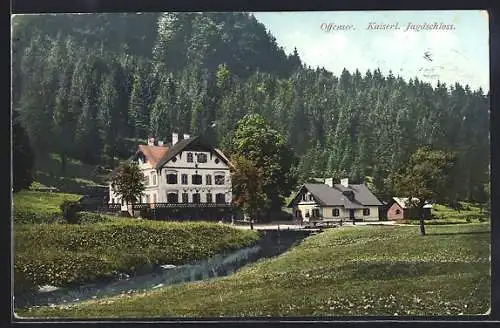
[29, 217]
[90, 218]
[69, 209]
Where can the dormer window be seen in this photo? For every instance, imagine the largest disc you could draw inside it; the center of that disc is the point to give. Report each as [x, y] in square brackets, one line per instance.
[190, 158]
[349, 194]
[311, 197]
[304, 197]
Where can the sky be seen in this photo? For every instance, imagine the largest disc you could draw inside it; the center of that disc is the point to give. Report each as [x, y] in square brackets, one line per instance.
[457, 53]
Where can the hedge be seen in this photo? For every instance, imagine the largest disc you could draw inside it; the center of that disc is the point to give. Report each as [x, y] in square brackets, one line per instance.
[62, 254]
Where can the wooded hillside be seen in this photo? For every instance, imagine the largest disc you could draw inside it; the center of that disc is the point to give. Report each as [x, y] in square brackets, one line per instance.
[85, 84]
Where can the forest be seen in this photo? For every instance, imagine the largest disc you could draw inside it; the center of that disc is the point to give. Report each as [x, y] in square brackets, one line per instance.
[91, 86]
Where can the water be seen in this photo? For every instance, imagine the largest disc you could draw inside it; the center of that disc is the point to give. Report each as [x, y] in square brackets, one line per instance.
[271, 243]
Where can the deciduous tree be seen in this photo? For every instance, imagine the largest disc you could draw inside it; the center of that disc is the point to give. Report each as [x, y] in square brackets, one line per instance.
[127, 182]
[426, 178]
[248, 187]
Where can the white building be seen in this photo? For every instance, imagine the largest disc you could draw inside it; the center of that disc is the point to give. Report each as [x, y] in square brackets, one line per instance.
[335, 202]
[186, 171]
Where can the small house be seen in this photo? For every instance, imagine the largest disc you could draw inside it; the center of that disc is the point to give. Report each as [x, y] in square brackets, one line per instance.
[338, 202]
[402, 209]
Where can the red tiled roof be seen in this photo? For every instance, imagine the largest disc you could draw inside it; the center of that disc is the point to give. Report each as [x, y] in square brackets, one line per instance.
[153, 154]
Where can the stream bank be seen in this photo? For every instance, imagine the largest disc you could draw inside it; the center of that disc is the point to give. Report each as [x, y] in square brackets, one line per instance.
[271, 243]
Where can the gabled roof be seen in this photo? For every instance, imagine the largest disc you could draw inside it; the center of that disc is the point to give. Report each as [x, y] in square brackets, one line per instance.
[153, 154]
[334, 196]
[158, 156]
[404, 203]
[174, 150]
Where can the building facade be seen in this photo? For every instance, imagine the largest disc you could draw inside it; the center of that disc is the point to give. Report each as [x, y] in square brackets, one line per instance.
[401, 209]
[184, 174]
[335, 202]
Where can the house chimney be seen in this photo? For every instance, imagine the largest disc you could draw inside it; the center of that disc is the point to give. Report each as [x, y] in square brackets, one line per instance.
[175, 138]
[344, 182]
[160, 143]
[151, 141]
[186, 136]
[329, 182]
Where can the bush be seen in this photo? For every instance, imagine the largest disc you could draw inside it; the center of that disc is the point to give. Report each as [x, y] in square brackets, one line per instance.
[29, 217]
[90, 218]
[69, 209]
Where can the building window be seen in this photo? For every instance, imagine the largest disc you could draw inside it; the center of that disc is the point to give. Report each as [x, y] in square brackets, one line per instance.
[184, 179]
[315, 213]
[335, 212]
[172, 197]
[217, 161]
[147, 198]
[311, 197]
[398, 211]
[297, 214]
[196, 198]
[172, 178]
[185, 197]
[208, 179]
[209, 198]
[366, 211]
[174, 159]
[146, 180]
[304, 197]
[220, 198]
[153, 178]
[190, 158]
[202, 158]
[196, 179]
[219, 179]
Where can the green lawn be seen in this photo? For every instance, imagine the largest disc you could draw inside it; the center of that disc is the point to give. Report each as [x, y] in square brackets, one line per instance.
[48, 173]
[40, 202]
[61, 254]
[471, 213]
[345, 271]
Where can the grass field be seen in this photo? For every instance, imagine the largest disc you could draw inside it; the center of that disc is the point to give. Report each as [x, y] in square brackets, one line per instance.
[49, 251]
[40, 202]
[471, 213]
[345, 271]
[77, 175]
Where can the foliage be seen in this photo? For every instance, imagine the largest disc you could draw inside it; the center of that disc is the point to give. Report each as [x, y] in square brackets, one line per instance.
[352, 271]
[69, 210]
[40, 203]
[102, 74]
[248, 186]
[266, 148]
[22, 156]
[127, 182]
[427, 178]
[91, 218]
[61, 254]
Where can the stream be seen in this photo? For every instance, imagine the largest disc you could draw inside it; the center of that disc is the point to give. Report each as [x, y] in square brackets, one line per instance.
[270, 244]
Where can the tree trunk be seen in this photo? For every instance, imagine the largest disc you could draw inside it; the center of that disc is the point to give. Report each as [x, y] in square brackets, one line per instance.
[63, 162]
[422, 226]
[131, 209]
